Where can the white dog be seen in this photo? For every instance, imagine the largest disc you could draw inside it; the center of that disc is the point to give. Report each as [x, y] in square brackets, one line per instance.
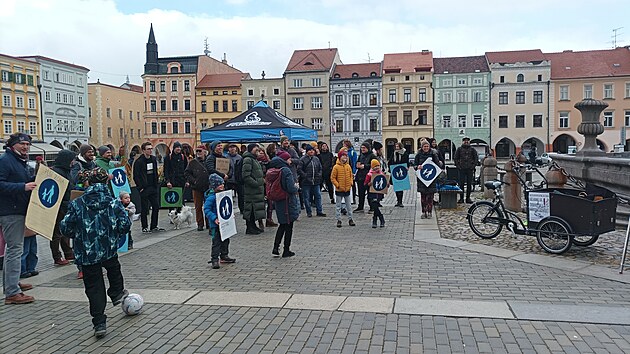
[178, 219]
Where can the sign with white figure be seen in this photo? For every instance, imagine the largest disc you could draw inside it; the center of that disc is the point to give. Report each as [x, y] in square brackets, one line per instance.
[225, 213]
[428, 171]
[45, 201]
[119, 181]
[400, 177]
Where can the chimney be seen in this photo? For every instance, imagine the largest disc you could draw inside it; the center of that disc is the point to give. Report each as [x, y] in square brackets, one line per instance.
[224, 60]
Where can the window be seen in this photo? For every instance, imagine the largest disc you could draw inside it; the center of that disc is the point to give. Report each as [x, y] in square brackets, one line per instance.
[317, 82]
[137, 135]
[338, 100]
[461, 96]
[477, 96]
[225, 105]
[47, 96]
[539, 77]
[153, 127]
[8, 127]
[588, 91]
[215, 93]
[461, 121]
[175, 127]
[89, 112]
[234, 105]
[422, 117]
[356, 100]
[65, 98]
[58, 97]
[204, 106]
[537, 120]
[153, 106]
[407, 118]
[608, 91]
[627, 95]
[299, 120]
[186, 85]
[173, 86]
[316, 102]
[130, 115]
[446, 121]
[317, 123]
[407, 95]
[71, 98]
[392, 118]
[80, 98]
[152, 86]
[32, 128]
[121, 132]
[276, 91]
[477, 81]
[608, 119]
[503, 121]
[627, 119]
[81, 127]
[564, 93]
[215, 106]
[162, 86]
[108, 112]
[20, 126]
[18, 78]
[250, 104]
[461, 82]
[109, 132]
[373, 124]
[31, 103]
[447, 82]
[225, 92]
[520, 97]
[187, 127]
[298, 103]
[520, 78]
[297, 82]
[339, 126]
[162, 127]
[186, 105]
[162, 105]
[356, 125]
[131, 133]
[538, 97]
[120, 114]
[250, 92]
[502, 79]
[49, 124]
[174, 104]
[392, 96]
[407, 78]
[276, 104]
[520, 121]
[138, 115]
[477, 120]
[5, 76]
[6, 100]
[448, 97]
[503, 98]
[373, 99]
[422, 95]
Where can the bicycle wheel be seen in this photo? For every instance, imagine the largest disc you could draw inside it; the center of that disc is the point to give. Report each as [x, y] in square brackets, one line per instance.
[584, 240]
[483, 219]
[554, 235]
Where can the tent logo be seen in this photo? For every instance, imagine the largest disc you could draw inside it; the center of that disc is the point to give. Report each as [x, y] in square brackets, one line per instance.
[286, 120]
[252, 117]
[48, 192]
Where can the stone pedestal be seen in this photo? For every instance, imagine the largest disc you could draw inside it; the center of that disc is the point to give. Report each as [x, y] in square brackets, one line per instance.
[590, 127]
[489, 173]
[513, 192]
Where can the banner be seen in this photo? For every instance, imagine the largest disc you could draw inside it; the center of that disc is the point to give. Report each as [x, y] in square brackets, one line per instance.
[428, 172]
[171, 198]
[379, 184]
[120, 182]
[45, 201]
[225, 213]
[400, 177]
[222, 165]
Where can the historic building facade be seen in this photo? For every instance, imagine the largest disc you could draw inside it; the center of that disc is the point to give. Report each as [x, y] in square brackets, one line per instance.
[355, 104]
[218, 99]
[270, 90]
[461, 101]
[20, 97]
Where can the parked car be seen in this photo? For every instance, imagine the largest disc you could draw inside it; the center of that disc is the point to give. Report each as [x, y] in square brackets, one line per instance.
[544, 159]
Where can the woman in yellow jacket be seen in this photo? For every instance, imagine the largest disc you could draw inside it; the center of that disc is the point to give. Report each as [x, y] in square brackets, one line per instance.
[342, 179]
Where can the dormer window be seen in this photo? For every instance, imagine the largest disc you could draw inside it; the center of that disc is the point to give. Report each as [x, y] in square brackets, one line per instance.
[337, 76]
[372, 74]
[355, 75]
[174, 70]
[520, 78]
[308, 63]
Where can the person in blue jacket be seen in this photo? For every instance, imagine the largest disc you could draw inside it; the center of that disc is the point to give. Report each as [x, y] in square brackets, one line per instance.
[220, 248]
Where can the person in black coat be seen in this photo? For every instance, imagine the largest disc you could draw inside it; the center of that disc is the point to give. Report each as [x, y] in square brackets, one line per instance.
[426, 192]
[328, 161]
[400, 156]
[363, 167]
[174, 166]
[62, 166]
[145, 174]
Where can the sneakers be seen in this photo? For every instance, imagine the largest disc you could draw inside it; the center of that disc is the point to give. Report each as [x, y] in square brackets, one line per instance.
[429, 215]
[157, 229]
[253, 231]
[200, 228]
[227, 259]
[25, 287]
[215, 264]
[357, 210]
[145, 230]
[287, 254]
[275, 252]
[399, 205]
[468, 201]
[309, 215]
[461, 201]
[26, 275]
[423, 216]
[338, 223]
[100, 330]
[370, 211]
[80, 275]
[351, 222]
[270, 223]
[321, 214]
[118, 299]
[18, 299]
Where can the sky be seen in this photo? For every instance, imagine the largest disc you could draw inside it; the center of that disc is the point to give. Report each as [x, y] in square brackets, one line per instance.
[109, 36]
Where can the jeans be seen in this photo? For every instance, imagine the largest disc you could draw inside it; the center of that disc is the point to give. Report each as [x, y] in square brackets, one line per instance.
[149, 196]
[95, 286]
[219, 248]
[309, 191]
[466, 177]
[338, 206]
[29, 255]
[13, 229]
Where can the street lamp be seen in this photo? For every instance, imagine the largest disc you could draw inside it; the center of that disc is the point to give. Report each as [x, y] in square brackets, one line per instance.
[41, 107]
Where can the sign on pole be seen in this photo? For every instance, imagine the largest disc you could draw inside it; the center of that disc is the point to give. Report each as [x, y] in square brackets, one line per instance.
[400, 177]
[379, 183]
[45, 201]
[171, 197]
[225, 213]
[428, 172]
[120, 182]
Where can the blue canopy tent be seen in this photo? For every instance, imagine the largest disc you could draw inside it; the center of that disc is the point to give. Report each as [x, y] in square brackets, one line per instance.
[259, 124]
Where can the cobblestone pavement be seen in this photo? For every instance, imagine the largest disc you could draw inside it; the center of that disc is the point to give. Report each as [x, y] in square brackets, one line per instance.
[350, 261]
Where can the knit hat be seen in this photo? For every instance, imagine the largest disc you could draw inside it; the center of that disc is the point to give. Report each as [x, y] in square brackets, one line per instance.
[342, 152]
[215, 181]
[84, 149]
[214, 145]
[367, 145]
[283, 155]
[96, 175]
[18, 138]
[465, 138]
[313, 144]
[424, 142]
[176, 145]
[283, 138]
[308, 147]
[40, 158]
[201, 147]
[251, 147]
[374, 163]
[376, 145]
[103, 150]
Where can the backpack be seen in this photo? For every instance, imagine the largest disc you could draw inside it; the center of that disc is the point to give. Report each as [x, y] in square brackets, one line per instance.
[238, 171]
[273, 184]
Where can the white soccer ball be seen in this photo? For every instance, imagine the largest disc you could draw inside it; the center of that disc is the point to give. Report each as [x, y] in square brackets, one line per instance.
[132, 304]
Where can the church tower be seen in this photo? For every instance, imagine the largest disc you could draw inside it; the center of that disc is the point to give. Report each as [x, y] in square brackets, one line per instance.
[151, 65]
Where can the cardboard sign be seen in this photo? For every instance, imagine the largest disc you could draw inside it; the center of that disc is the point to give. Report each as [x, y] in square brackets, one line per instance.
[222, 165]
[379, 183]
[400, 177]
[171, 198]
[428, 172]
[225, 213]
[119, 182]
[45, 201]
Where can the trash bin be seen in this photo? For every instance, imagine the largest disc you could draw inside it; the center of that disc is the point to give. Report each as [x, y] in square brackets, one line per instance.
[448, 196]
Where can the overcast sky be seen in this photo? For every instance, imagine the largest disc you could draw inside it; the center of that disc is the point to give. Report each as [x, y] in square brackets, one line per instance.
[109, 36]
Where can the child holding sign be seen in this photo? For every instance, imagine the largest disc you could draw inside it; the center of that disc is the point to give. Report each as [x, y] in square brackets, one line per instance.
[375, 198]
[219, 247]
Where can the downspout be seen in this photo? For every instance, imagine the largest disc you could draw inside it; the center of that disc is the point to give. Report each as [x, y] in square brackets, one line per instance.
[548, 119]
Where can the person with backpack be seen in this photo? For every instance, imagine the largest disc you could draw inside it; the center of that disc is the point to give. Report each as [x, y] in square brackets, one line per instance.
[282, 188]
[253, 181]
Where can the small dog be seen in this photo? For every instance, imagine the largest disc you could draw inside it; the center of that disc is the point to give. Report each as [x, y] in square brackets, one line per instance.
[185, 215]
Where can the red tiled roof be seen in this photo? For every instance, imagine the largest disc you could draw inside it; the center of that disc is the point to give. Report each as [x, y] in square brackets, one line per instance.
[135, 88]
[591, 63]
[41, 57]
[362, 70]
[460, 65]
[18, 59]
[515, 56]
[222, 80]
[408, 62]
[312, 60]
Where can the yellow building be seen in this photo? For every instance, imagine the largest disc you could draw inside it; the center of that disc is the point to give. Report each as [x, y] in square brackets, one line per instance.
[407, 98]
[218, 99]
[115, 116]
[20, 97]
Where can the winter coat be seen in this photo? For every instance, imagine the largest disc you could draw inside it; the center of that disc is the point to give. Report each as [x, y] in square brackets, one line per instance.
[211, 164]
[174, 167]
[366, 160]
[287, 210]
[233, 160]
[295, 161]
[197, 175]
[14, 174]
[310, 171]
[466, 157]
[328, 162]
[422, 156]
[96, 221]
[353, 157]
[367, 182]
[62, 167]
[341, 177]
[131, 210]
[79, 165]
[399, 157]
[140, 176]
[104, 163]
[254, 188]
[210, 208]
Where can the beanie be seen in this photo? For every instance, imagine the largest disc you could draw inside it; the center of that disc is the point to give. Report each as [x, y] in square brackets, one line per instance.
[377, 145]
[18, 138]
[215, 181]
[424, 142]
[374, 163]
[251, 147]
[313, 144]
[201, 147]
[283, 138]
[342, 152]
[308, 147]
[367, 145]
[283, 155]
[84, 149]
[103, 150]
[214, 145]
[176, 145]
